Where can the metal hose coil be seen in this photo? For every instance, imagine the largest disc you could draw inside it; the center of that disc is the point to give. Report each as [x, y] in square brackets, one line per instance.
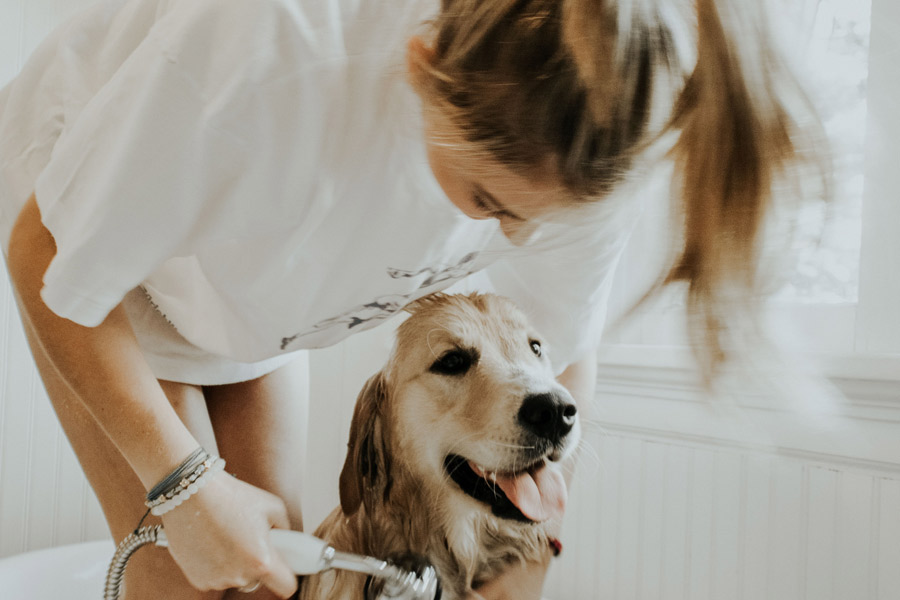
[127, 547]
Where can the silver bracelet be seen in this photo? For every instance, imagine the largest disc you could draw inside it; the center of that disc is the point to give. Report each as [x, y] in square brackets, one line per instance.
[170, 481]
[188, 486]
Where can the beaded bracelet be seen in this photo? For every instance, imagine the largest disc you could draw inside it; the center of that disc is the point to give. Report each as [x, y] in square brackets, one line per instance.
[179, 479]
[183, 482]
[187, 487]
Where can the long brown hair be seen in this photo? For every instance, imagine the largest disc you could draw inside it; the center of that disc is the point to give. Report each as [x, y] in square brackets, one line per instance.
[583, 83]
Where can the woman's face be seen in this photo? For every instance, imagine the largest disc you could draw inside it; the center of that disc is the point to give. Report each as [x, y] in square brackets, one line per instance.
[487, 190]
[479, 187]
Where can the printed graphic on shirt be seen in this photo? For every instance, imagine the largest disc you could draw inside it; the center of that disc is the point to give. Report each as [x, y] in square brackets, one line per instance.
[384, 307]
[378, 310]
[438, 275]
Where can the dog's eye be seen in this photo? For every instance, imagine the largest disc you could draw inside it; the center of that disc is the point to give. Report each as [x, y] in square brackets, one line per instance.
[536, 347]
[454, 362]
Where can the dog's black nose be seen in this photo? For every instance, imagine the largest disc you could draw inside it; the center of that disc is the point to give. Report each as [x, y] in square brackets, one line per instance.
[548, 415]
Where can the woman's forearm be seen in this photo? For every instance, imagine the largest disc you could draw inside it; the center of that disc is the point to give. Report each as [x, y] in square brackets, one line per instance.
[580, 378]
[103, 365]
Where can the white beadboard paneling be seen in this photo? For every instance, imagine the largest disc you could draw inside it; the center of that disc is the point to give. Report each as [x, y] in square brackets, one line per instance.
[5, 348]
[821, 501]
[723, 524]
[44, 498]
[676, 507]
[69, 508]
[789, 511]
[854, 533]
[756, 527]
[41, 488]
[652, 499]
[728, 496]
[605, 575]
[700, 520]
[786, 528]
[591, 481]
[17, 459]
[886, 562]
[629, 516]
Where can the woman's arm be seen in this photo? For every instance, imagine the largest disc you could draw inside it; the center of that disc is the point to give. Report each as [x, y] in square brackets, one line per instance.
[526, 582]
[103, 365]
[223, 541]
[580, 378]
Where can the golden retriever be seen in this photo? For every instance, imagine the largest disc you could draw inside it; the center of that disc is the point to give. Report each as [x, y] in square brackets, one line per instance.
[455, 449]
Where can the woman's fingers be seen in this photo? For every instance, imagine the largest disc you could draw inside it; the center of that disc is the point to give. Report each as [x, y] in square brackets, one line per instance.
[273, 572]
[279, 578]
[284, 581]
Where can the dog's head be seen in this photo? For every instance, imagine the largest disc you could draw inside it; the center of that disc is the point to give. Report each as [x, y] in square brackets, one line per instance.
[469, 406]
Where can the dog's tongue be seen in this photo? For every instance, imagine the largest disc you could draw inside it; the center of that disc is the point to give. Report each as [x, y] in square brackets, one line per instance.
[540, 492]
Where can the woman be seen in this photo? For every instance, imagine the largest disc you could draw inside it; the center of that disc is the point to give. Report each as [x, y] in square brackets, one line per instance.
[192, 191]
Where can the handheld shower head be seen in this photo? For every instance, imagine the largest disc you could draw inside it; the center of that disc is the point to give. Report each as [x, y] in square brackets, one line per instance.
[410, 579]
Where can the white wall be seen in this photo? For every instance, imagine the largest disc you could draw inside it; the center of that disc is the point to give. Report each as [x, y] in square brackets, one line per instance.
[678, 499]
[44, 500]
[672, 501]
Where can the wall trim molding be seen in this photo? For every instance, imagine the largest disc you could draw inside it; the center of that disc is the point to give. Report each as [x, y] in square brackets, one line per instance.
[856, 424]
[825, 460]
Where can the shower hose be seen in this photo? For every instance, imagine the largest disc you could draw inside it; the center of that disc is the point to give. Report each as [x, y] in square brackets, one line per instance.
[127, 547]
[412, 578]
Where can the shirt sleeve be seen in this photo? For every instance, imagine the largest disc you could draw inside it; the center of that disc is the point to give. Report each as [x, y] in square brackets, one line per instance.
[166, 158]
[563, 282]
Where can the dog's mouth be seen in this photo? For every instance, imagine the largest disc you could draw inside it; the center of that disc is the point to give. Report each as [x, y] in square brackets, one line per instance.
[532, 495]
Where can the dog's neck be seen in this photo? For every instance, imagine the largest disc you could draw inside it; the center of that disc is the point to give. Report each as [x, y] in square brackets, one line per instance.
[466, 546]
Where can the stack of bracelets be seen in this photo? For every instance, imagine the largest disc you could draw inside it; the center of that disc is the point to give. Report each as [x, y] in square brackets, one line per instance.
[183, 482]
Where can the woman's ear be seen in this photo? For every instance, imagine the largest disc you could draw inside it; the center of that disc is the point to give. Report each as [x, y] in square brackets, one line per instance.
[366, 458]
[418, 54]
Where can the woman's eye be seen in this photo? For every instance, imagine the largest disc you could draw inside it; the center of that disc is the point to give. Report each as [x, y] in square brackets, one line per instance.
[454, 362]
[483, 207]
[536, 347]
[490, 210]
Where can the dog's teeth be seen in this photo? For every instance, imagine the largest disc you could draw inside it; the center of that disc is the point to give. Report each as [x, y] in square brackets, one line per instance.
[492, 476]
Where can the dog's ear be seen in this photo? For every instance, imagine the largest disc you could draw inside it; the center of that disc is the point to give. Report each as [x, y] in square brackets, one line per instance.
[366, 457]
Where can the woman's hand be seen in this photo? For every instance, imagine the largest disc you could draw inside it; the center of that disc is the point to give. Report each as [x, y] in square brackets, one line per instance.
[219, 537]
[519, 582]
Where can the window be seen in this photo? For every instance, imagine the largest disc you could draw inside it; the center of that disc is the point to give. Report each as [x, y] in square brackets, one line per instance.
[837, 47]
[843, 297]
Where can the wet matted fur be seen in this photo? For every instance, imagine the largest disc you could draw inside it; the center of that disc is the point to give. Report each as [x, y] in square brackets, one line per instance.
[467, 398]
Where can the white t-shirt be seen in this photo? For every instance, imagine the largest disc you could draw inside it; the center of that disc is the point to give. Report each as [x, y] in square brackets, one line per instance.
[258, 167]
